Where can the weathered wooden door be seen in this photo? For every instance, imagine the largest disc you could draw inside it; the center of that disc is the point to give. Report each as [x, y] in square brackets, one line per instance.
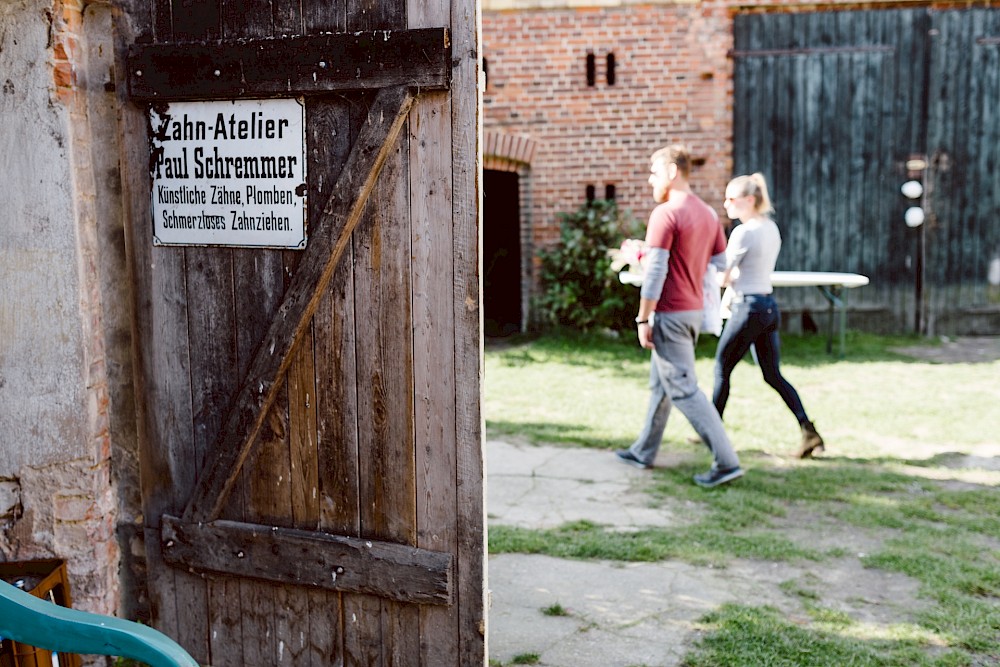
[311, 436]
[832, 105]
[963, 180]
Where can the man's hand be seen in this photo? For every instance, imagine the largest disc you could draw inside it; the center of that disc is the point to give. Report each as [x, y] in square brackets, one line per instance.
[646, 336]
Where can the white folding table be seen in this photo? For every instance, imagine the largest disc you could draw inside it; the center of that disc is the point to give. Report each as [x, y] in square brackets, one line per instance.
[832, 286]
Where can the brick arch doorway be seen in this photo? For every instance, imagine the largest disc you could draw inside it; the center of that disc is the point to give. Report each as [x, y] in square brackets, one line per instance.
[506, 233]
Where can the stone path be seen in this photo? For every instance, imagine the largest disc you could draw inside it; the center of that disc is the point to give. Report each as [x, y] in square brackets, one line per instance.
[633, 614]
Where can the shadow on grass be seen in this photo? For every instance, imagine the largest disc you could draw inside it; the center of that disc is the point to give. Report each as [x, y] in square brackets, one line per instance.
[552, 433]
[599, 349]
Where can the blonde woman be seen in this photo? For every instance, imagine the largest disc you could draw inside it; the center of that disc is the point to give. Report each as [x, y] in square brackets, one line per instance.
[755, 320]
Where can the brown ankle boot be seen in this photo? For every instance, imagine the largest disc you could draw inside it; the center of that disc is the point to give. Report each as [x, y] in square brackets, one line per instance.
[812, 443]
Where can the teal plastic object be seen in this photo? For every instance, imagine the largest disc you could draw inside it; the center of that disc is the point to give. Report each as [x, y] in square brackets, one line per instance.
[36, 622]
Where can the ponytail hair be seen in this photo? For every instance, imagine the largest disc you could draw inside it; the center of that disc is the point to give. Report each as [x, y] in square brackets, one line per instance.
[754, 184]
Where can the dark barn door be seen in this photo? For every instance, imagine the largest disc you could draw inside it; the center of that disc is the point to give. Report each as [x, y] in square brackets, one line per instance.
[311, 436]
[501, 253]
[832, 106]
[963, 147]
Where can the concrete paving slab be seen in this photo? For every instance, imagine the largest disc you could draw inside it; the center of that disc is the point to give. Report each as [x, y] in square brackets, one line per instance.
[537, 487]
[645, 614]
[620, 615]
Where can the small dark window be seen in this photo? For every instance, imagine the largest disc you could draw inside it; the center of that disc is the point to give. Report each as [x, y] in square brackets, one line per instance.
[486, 73]
[609, 191]
[611, 70]
[591, 69]
[591, 194]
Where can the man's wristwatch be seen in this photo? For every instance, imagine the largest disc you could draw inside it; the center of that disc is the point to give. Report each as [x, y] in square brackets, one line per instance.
[638, 321]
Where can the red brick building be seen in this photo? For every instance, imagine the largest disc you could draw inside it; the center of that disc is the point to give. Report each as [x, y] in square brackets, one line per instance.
[578, 97]
[579, 93]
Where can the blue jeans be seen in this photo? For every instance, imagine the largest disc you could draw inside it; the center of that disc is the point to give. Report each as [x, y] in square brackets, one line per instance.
[672, 381]
[755, 321]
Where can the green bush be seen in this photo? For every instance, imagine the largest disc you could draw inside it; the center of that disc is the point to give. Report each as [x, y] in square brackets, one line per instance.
[578, 288]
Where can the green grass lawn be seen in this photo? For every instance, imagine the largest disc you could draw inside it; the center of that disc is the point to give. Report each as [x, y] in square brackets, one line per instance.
[912, 456]
[591, 391]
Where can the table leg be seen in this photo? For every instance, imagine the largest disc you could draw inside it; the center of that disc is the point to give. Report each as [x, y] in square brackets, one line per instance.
[842, 305]
[838, 315]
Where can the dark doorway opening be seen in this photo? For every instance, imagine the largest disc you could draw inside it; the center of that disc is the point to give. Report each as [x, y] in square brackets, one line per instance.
[501, 253]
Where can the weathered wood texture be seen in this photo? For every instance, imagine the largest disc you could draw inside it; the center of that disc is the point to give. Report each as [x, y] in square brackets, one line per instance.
[310, 558]
[368, 347]
[963, 145]
[830, 105]
[246, 415]
[290, 66]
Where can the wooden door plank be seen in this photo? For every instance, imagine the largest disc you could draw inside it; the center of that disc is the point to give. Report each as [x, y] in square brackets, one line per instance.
[470, 509]
[291, 625]
[323, 643]
[328, 239]
[434, 354]
[329, 126]
[262, 494]
[385, 391]
[303, 472]
[190, 592]
[308, 558]
[358, 638]
[362, 633]
[324, 16]
[385, 361]
[194, 19]
[162, 376]
[328, 123]
[987, 175]
[401, 635]
[226, 623]
[385, 358]
[431, 194]
[162, 27]
[245, 19]
[290, 66]
[257, 603]
[212, 326]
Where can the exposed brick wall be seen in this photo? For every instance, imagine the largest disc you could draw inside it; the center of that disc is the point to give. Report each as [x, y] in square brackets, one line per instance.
[86, 512]
[672, 84]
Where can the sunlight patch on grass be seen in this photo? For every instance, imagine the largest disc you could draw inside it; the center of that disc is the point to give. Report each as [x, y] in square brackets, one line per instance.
[895, 632]
[743, 636]
[983, 477]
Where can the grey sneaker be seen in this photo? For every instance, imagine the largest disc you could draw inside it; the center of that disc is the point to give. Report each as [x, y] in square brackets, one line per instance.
[626, 456]
[716, 476]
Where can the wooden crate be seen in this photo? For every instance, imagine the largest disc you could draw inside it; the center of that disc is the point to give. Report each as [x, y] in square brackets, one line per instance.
[46, 579]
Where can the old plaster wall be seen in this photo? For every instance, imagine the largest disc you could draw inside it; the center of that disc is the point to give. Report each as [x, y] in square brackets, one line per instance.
[63, 344]
[42, 388]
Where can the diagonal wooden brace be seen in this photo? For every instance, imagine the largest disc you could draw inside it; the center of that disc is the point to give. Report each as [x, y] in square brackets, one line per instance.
[329, 238]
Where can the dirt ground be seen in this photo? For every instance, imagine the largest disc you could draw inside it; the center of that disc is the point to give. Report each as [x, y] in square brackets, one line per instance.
[967, 350]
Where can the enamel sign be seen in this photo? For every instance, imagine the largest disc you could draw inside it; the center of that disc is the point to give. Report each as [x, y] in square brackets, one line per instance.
[229, 173]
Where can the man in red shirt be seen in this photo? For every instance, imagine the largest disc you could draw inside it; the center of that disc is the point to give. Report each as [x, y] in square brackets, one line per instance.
[683, 235]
